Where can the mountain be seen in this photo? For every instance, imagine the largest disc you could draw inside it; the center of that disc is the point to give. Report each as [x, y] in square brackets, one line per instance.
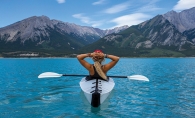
[190, 34]
[115, 30]
[156, 37]
[40, 34]
[168, 35]
[184, 20]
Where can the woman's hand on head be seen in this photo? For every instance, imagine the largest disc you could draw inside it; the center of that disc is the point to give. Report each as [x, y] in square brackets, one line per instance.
[101, 55]
[92, 54]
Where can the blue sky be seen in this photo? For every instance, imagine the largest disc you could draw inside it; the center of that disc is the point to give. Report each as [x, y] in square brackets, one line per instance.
[103, 14]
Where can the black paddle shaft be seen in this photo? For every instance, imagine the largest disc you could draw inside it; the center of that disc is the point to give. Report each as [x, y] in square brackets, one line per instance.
[88, 75]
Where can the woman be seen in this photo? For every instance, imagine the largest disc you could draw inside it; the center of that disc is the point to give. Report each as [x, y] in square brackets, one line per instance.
[97, 70]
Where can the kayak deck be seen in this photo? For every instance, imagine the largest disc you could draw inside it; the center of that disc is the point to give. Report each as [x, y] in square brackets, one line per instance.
[96, 90]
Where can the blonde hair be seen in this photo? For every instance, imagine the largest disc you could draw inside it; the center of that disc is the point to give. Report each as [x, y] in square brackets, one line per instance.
[98, 67]
[98, 59]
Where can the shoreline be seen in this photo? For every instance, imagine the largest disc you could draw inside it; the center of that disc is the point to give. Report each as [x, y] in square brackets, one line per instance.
[75, 57]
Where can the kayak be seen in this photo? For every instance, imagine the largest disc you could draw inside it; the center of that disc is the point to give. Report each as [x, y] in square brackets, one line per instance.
[96, 90]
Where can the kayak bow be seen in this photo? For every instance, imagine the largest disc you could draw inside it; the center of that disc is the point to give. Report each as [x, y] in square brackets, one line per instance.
[96, 91]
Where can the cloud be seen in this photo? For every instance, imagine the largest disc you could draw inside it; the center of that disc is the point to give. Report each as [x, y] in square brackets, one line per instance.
[117, 8]
[184, 4]
[87, 20]
[60, 1]
[151, 6]
[83, 19]
[131, 19]
[98, 2]
[96, 24]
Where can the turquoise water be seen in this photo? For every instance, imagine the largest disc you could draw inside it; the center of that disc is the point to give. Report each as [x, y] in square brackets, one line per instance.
[170, 92]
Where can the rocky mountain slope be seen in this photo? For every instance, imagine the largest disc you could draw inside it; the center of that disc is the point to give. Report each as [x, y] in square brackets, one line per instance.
[184, 20]
[41, 33]
[190, 34]
[155, 37]
[168, 35]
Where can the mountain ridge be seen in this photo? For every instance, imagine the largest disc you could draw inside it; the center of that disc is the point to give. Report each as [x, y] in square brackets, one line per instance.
[183, 20]
[48, 35]
[28, 25]
[156, 37]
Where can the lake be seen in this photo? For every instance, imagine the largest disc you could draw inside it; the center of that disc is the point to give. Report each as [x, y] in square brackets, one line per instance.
[169, 93]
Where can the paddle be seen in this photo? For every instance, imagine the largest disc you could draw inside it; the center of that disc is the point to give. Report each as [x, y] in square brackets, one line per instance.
[52, 75]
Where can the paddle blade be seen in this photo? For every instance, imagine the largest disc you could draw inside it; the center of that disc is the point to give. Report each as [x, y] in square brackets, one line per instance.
[49, 75]
[138, 77]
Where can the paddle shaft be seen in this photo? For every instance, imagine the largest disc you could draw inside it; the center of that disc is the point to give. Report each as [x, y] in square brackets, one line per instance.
[88, 75]
[52, 75]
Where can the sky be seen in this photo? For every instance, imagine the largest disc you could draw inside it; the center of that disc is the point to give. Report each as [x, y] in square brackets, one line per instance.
[103, 14]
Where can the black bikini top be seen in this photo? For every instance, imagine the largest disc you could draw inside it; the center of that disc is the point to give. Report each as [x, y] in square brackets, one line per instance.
[95, 76]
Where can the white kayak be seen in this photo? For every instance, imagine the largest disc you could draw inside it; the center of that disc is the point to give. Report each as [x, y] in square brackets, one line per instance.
[96, 91]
